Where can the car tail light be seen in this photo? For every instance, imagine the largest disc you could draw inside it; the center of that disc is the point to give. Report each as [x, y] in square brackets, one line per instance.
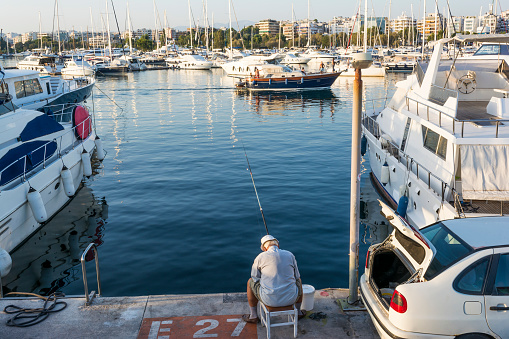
[367, 259]
[398, 302]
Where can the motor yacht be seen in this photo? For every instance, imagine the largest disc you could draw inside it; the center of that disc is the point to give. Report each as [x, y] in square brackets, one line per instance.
[43, 159]
[33, 90]
[77, 68]
[295, 59]
[190, 61]
[46, 64]
[439, 148]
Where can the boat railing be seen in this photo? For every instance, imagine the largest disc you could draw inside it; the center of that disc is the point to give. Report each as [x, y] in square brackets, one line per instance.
[426, 111]
[374, 106]
[26, 159]
[440, 187]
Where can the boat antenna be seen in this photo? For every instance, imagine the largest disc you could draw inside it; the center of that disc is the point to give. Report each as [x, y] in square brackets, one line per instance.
[256, 192]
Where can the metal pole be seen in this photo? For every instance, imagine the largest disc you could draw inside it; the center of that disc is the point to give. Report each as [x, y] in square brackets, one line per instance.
[355, 188]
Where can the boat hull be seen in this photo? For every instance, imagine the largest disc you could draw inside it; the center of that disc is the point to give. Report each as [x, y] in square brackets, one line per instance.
[304, 82]
[17, 222]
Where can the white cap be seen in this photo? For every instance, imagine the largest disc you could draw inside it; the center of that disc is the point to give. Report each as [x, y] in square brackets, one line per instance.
[267, 238]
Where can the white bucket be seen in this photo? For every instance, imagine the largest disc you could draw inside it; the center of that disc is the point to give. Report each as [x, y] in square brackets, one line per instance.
[308, 297]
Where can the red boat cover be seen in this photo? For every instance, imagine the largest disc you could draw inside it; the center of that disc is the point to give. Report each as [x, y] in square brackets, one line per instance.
[80, 120]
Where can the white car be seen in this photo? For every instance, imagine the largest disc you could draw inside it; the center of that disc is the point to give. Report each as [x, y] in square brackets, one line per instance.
[447, 280]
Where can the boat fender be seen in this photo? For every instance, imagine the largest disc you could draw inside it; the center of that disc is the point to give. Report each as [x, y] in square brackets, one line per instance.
[99, 149]
[67, 181]
[403, 190]
[402, 206]
[384, 176]
[364, 143]
[301, 80]
[270, 82]
[87, 165]
[37, 205]
[5, 262]
[286, 81]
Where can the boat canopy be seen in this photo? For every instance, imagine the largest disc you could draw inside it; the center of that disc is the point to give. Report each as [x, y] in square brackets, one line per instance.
[484, 174]
[38, 127]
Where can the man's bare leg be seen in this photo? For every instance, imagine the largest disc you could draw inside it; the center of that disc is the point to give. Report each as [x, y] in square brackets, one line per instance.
[253, 302]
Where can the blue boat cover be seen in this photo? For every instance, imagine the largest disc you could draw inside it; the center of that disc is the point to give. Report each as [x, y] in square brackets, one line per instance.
[11, 166]
[38, 127]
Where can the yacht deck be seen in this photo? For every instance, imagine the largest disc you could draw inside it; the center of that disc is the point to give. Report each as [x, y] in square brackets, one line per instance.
[475, 110]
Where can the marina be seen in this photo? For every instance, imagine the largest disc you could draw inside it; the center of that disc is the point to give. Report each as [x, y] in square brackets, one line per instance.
[133, 203]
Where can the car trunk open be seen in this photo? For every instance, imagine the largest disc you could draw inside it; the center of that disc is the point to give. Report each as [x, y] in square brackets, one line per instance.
[388, 271]
[405, 253]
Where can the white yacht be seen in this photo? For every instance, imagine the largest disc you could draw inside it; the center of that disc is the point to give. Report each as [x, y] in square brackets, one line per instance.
[135, 62]
[190, 61]
[78, 68]
[33, 90]
[245, 67]
[318, 57]
[292, 59]
[440, 148]
[43, 160]
[46, 64]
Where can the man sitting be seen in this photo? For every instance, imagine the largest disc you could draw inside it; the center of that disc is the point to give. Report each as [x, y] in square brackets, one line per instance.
[275, 280]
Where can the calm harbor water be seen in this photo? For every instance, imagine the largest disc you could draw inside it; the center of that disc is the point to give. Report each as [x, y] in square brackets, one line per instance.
[172, 206]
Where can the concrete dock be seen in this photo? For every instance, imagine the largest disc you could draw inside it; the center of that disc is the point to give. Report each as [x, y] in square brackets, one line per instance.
[182, 316]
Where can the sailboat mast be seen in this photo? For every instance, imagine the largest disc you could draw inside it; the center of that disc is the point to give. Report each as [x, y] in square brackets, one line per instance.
[129, 29]
[93, 36]
[389, 27]
[108, 30]
[423, 29]
[293, 31]
[40, 29]
[365, 26]
[212, 31]
[231, 34]
[309, 28]
[58, 29]
[436, 21]
[190, 23]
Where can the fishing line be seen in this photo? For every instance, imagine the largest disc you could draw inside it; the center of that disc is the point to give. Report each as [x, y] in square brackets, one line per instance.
[254, 185]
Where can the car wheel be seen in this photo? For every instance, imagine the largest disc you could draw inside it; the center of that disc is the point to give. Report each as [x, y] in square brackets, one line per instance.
[474, 336]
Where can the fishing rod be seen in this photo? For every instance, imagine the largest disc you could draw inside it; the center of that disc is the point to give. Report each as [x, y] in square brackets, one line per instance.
[256, 192]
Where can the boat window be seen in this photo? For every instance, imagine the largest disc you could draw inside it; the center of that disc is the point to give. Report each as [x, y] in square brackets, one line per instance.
[449, 248]
[26, 88]
[492, 50]
[405, 134]
[434, 142]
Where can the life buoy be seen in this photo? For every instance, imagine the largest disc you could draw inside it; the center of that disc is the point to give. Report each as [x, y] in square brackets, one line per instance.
[81, 122]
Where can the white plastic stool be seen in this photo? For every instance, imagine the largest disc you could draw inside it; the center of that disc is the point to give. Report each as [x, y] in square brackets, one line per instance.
[291, 312]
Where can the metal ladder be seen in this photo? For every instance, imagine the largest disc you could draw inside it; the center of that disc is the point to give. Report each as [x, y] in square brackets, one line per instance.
[92, 295]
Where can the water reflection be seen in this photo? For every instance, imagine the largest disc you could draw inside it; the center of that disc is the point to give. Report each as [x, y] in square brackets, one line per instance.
[277, 102]
[50, 259]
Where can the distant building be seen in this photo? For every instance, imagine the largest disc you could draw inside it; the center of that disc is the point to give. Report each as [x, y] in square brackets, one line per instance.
[311, 26]
[376, 22]
[402, 22]
[340, 25]
[290, 30]
[432, 23]
[28, 36]
[470, 24]
[456, 24]
[268, 26]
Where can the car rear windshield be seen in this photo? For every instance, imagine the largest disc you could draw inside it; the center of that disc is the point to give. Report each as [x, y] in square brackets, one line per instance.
[449, 248]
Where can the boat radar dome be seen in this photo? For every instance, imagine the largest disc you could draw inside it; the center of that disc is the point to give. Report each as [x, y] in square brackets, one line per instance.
[267, 238]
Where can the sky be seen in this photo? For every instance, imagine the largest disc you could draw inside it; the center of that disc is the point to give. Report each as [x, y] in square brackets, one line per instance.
[23, 15]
